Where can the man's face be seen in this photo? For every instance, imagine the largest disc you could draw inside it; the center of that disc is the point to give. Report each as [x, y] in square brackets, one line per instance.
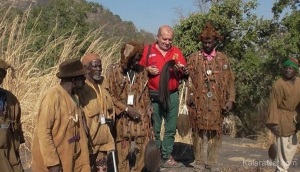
[95, 68]
[208, 45]
[164, 40]
[289, 72]
[78, 82]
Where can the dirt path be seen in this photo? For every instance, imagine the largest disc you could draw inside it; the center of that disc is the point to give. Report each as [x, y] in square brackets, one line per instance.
[241, 155]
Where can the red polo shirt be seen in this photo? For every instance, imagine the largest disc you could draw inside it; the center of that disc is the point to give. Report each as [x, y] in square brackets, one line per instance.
[157, 59]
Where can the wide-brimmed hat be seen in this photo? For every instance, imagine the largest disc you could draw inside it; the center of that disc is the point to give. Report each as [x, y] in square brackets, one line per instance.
[71, 68]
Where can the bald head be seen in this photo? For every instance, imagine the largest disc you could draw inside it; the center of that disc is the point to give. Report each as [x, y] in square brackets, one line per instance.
[165, 29]
[164, 38]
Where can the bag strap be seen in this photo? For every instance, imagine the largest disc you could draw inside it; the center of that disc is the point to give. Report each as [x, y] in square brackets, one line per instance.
[148, 53]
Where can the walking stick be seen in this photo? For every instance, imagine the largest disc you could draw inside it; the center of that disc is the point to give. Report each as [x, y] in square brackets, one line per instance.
[114, 161]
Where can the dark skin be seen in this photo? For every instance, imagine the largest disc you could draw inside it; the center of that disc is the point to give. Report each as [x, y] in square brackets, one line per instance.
[289, 73]
[208, 45]
[73, 84]
[94, 76]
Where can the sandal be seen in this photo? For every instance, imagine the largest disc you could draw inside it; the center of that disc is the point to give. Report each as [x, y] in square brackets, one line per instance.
[171, 163]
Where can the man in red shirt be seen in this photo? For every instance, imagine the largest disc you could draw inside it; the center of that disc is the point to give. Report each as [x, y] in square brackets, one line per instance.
[165, 64]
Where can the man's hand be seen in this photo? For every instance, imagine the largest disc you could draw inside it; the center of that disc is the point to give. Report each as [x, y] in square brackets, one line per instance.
[153, 70]
[228, 106]
[133, 113]
[149, 110]
[56, 168]
[274, 129]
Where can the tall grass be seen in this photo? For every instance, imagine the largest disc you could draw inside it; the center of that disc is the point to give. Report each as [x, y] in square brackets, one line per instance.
[30, 82]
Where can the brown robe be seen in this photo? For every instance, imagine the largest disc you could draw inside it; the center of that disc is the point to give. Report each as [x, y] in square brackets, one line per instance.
[102, 139]
[127, 128]
[56, 124]
[210, 86]
[283, 101]
[11, 137]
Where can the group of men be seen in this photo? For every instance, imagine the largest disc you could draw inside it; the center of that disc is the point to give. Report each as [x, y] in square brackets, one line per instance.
[86, 116]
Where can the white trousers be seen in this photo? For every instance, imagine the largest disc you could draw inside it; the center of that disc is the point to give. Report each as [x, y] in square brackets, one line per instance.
[286, 150]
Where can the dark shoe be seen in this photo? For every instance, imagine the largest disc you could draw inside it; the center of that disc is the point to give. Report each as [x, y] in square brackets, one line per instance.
[171, 163]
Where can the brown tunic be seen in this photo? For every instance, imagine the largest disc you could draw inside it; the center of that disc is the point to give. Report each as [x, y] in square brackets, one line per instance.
[119, 88]
[11, 134]
[211, 85]
[100, 135]
[56, 124]
[284, 98]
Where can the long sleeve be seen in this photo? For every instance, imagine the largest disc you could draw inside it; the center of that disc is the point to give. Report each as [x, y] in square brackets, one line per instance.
[273, 112]
[112, 80]
[46, 118]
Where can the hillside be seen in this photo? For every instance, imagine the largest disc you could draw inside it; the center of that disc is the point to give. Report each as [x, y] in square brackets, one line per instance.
[96, 16]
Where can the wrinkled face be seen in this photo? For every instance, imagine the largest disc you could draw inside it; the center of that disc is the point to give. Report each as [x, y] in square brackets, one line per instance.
[95, 68]
[289, 72]
[78, 82]
[208, 45]
[164, 40]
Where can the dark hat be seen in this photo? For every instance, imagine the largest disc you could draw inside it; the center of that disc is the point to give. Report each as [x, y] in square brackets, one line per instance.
[71, 68]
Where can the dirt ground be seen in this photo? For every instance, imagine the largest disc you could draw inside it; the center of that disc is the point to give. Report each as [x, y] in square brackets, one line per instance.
[239, 155]
[243, 155]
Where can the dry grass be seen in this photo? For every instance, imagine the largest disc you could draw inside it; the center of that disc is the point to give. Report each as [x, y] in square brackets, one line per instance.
[30, 82]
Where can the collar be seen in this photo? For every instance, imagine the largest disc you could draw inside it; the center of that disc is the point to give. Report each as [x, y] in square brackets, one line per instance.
[210, 56]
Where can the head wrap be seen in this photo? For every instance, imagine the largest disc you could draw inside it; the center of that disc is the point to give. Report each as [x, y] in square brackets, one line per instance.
[89, 57]
[292, 63]
[209, 32]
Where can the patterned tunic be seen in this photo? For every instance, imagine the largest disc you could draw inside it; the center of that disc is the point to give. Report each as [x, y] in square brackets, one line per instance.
[211, 85]
[120, 86]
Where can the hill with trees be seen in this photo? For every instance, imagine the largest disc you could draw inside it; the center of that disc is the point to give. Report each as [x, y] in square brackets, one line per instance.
[64, 17]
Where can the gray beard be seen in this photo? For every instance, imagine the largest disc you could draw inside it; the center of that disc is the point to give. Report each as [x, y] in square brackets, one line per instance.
[97, 77]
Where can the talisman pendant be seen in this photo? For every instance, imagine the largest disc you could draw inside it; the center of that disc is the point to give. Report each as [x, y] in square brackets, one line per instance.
[208, 72]
[209, 94]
